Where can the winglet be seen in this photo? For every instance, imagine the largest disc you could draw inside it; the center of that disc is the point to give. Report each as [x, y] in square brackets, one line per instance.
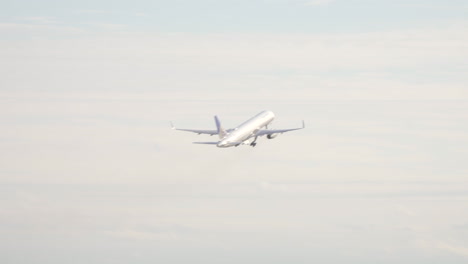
[172, 125]
[303, 124]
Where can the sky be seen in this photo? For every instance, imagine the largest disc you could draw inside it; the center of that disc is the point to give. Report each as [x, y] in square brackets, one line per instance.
[90, 170]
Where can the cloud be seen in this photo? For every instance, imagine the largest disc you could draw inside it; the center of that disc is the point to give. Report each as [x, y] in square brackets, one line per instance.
[141, 14]
[442, 246]
[39, 20]
[19, 31]
[91, 11]
[108, 27]
[455, 249]
[319, 2]
[406, 64]
[132, 234]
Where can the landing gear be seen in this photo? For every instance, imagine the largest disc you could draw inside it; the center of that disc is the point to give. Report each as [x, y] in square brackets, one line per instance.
[254, 143]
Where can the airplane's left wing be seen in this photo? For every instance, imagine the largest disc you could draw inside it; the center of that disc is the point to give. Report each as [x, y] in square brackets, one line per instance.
[208, 132]
[198, 131]
[277, 131]
[206, 143]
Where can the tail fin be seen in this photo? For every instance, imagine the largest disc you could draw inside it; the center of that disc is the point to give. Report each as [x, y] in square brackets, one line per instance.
[221, 132]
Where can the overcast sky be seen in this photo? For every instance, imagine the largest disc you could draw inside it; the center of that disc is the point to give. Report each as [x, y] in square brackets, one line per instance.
[90, 171]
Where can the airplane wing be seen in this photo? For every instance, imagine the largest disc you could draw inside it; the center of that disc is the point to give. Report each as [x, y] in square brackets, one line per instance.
[208, 132]
[198, 131]
[206, 143]
[277, 131]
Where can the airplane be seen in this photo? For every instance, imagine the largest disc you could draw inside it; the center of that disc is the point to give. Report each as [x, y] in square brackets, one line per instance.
[244, 133]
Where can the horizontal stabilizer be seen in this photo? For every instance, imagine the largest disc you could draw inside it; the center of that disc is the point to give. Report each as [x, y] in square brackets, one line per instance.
[208, 143]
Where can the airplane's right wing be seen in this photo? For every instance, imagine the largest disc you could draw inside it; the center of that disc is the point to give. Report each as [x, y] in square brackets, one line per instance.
[277, 131]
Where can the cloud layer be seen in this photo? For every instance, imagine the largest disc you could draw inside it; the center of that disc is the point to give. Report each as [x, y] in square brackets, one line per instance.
[90, 170]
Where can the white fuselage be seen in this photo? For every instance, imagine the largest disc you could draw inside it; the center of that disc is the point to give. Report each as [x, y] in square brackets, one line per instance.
[246, 130]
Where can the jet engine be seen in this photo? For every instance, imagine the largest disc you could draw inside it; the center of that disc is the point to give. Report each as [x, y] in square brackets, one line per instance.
[271, 136]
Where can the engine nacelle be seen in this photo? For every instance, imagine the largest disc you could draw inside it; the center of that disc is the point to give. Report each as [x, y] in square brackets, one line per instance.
[271, 136]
